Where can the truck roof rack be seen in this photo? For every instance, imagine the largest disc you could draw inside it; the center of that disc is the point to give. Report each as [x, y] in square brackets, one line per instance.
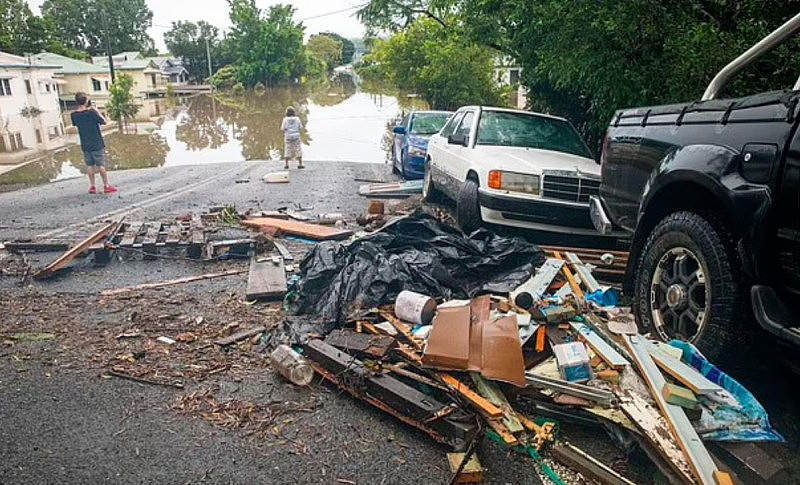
[762, 47]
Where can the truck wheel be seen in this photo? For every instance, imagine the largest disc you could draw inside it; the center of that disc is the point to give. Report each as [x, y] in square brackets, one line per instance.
[688, 284]
[468, 210]
[429, 191]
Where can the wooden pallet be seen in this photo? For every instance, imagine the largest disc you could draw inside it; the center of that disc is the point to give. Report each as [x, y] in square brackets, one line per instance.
[150, 236]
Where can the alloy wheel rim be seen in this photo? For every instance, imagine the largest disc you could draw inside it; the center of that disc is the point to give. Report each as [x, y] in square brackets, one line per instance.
[679, 296]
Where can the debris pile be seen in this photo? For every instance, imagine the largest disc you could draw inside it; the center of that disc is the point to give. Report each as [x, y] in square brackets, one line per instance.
[515, 344]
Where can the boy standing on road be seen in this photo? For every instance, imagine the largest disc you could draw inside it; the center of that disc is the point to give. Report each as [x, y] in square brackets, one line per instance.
[88, 120]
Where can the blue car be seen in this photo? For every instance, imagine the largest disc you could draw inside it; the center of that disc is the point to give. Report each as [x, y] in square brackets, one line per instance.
[411, 141]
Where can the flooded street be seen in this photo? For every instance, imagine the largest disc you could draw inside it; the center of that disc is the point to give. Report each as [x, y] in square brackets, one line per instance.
[343, 124]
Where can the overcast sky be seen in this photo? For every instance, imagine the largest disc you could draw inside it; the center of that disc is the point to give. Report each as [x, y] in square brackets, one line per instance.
[317, 15]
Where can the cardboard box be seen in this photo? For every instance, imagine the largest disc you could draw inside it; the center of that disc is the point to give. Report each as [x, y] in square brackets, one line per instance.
[573, 361]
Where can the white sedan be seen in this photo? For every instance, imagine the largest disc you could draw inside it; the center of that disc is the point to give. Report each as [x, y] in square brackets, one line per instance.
[514, 168]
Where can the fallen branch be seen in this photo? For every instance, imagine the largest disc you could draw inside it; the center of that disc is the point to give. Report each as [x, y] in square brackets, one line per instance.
[179, 281]
[143, 380]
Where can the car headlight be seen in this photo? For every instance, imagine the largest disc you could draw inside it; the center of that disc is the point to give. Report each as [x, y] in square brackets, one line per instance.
[416, 151]
[514, 182]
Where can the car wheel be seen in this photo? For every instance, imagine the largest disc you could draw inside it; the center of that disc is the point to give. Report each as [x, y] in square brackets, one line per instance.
[429, 191]
[468, 210]
[688, 284]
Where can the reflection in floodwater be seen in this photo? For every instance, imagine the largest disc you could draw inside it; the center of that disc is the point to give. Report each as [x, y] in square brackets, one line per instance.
[342, 124]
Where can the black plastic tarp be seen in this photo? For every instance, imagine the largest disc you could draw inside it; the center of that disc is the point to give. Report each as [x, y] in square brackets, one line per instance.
[416, 253]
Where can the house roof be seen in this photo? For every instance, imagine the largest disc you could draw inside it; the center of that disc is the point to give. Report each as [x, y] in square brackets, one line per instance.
[10, 60]
[174, 70]
[127, 65]
[67, 65]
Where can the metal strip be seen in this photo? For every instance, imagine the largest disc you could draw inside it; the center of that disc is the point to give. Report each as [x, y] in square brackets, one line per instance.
[685, 374]
[599, 396]
[585, 273]
[539, 283]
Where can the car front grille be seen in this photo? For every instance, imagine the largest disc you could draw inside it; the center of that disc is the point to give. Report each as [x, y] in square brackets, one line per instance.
[569, 187]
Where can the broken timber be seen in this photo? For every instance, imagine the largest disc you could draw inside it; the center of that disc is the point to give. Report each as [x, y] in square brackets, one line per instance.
[686, 375]
[360, 344]
[162, 284]
[389, 394]
[72, 253]
[241, 335]
[700, 461]
[267, 280]
[491, 391]
[297, 228]
[599, 346]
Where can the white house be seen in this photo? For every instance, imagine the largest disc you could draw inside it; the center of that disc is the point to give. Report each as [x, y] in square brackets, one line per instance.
[508, 73]
[30, 115]
[146, 74]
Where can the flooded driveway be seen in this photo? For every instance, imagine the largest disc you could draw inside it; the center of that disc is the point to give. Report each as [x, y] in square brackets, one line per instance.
[343, 123]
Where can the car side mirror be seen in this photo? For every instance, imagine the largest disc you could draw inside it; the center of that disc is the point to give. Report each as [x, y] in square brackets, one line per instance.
[399, 129]
[457, 139]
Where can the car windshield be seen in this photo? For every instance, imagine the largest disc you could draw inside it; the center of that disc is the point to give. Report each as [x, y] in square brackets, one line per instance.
[523, 130]
[428, 123]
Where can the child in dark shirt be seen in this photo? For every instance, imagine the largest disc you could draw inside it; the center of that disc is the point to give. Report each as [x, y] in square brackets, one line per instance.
[88, 120]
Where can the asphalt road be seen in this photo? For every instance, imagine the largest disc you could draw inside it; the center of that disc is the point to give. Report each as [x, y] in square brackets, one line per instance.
[65, 430]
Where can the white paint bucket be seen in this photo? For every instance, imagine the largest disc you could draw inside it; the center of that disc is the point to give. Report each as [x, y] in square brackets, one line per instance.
[414, 307]
[276, 178]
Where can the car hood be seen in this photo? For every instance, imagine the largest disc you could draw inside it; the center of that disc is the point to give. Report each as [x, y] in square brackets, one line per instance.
[535, 160]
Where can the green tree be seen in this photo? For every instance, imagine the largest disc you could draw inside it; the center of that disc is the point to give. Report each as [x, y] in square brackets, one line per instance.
[586, 58]
[121, 103]
[326, 48]
[266, 48]
[447, 70]
[83, 24]
[22, 32]
[187, 41]
[348, 47]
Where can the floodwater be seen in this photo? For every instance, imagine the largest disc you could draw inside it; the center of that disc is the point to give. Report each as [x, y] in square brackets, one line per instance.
[343, 123]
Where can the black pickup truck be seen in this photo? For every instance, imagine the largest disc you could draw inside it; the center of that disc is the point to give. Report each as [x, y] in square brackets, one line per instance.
[710, 193]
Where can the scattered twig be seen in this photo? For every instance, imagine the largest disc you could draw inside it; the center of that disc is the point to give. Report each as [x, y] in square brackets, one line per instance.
[143, 380]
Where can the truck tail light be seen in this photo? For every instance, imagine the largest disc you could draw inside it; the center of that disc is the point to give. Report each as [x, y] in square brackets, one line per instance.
[604, 151]
[495, 179]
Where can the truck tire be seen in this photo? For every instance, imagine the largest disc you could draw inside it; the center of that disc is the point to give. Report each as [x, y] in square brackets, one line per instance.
[429, 191]
[688, 284]
[468, 210]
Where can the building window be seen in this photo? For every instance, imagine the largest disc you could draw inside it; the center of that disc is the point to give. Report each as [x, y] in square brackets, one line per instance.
[106, 85]
[3, 144]
[15, 142]
[96, 85]
[52, 132]
[28, 87]
[47, 87]
[38, 136]
[513, 76]
[5, 87]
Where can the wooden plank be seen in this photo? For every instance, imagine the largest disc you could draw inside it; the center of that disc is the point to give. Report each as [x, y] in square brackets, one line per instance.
[388, 393]
[297, 228]
[285, 253]
[504, 433]
[491, 391]
[130, 234]
[173, 234]
[683, 373]
[360, 344]
[576, 289]
[700, 461]
[34, 247]
[72, 253]
[267, 280]
[600, 346]
[150, 239]
[588, 466]
[402, 329]
[483, 405]
[162, 284]
[241, 335]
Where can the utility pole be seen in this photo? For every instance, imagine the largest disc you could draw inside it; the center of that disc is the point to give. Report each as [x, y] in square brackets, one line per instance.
[208, 58]
[108, 41]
